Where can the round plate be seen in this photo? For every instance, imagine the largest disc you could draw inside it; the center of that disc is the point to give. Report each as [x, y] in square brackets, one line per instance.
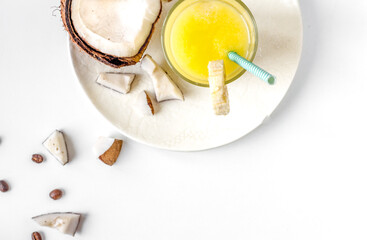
[190, 125]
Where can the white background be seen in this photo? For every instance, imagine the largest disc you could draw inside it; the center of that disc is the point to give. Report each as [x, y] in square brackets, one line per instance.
[302, 175]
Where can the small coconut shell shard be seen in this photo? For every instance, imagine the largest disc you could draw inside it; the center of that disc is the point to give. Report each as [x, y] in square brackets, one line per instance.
[108, 149]
[116, 33]
[56, 145]
[164, 87]
[66, 222]
[144, 104]
[119, 82]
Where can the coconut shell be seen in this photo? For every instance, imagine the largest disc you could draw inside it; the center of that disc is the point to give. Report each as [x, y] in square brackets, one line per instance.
[150, 103]
[111, 155]
[110, 60]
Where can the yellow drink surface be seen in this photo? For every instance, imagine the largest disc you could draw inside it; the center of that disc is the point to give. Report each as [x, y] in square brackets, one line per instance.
[206, 31]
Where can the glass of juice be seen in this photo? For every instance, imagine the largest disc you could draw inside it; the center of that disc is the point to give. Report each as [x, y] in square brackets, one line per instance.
[198, 31]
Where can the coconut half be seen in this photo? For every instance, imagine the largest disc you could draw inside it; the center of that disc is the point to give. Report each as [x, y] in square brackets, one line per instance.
[115, 32]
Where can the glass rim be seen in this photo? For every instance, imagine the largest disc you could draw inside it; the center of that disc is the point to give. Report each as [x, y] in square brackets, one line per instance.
[251, 58]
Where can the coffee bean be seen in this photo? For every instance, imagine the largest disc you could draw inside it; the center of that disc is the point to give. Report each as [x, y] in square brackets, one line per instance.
[4, 187]
[36, 236]
[56, 194]
[37, 158]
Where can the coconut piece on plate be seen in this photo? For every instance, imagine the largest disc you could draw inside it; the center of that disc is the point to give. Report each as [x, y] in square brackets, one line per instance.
[144, 104]
[108, 149]
[66, 223]
[116, 32]
[218, 87]
[119, 82]
[164, 87]
[56, 145]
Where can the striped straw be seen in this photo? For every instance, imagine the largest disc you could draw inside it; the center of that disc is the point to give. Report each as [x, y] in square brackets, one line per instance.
[252, 68]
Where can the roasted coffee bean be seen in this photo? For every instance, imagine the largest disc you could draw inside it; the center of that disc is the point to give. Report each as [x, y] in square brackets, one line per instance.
[4, 187]
[37, 158]
[36, 236]
[56, 194]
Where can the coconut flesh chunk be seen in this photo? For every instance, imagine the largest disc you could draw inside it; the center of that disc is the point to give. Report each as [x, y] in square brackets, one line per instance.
[144, 104]
[164, 87]
[115, 27]
[119, 82]
[56, 145]
[66, 223]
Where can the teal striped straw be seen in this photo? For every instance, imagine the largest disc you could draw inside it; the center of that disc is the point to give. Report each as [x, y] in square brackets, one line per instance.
[252, 68]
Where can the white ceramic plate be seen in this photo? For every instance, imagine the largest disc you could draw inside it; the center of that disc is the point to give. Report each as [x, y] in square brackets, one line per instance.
[191, 125]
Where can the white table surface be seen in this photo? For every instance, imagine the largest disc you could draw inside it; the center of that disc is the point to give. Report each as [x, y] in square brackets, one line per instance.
[302, 175]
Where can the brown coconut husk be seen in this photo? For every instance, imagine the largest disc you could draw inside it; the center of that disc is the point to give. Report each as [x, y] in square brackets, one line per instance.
[111, 155]
[110, 60]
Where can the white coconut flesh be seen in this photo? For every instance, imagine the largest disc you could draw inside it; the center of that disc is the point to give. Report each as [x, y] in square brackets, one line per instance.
[115, 27]
[56, 145]
[119, 82]
[66, 223]
[164, 87]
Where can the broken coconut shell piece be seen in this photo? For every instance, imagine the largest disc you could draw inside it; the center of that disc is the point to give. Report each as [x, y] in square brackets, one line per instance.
[119, 82]
[164, 87]
[144, 104]
[108, 149]
[116, 32]
[56, 145]
[66, 223]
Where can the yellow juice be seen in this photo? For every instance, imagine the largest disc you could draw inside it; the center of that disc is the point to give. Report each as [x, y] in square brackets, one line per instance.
[204, 31]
